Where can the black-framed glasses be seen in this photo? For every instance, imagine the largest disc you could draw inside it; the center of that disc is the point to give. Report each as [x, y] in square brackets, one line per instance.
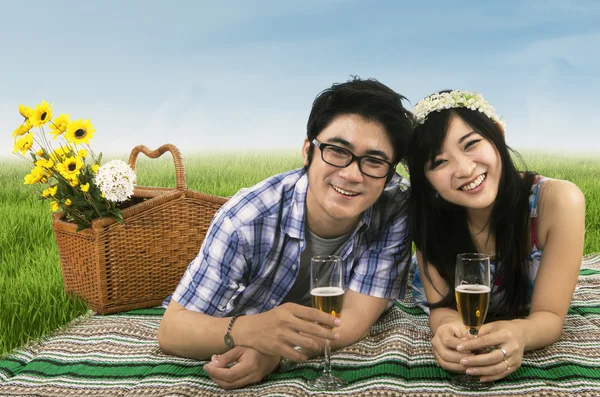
[342, 158]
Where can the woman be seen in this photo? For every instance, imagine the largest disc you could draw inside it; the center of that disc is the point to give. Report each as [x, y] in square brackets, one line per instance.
[467, 196]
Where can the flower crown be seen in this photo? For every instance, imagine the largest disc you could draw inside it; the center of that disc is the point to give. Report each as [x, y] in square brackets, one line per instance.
[454, 99]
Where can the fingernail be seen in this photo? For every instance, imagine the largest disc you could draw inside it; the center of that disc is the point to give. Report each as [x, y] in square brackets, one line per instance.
[336, 336]
[471, 371]
[460, 347]
[464, 362]
[337, 322]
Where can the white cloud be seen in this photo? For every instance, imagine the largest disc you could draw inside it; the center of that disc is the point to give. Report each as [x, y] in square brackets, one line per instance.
[208, 75]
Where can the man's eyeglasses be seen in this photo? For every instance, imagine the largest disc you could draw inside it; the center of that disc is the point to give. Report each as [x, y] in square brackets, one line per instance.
[342, 158]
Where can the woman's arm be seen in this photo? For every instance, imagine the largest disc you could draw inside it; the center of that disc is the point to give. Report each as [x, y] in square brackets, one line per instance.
[562, 218]
[445, 323]
[561, 234]
[435, 288]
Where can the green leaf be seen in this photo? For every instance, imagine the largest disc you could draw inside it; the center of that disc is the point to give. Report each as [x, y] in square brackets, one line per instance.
[118, 216]
[81, 225]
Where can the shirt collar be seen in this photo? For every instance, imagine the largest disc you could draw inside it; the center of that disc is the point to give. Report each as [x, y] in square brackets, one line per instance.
[292, 222]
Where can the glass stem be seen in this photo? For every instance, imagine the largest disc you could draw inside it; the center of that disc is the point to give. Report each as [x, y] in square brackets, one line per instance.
[473, 332]
[327, 366]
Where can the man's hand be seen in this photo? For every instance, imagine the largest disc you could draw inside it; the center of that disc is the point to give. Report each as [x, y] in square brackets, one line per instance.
[276, 332]
[250, 367]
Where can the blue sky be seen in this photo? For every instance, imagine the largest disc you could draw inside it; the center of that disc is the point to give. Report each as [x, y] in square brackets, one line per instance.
[242, 75]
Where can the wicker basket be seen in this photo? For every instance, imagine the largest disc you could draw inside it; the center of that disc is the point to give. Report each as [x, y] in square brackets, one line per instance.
[135, 264]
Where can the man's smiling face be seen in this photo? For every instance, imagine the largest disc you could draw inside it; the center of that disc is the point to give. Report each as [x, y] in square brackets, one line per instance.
[337, 197]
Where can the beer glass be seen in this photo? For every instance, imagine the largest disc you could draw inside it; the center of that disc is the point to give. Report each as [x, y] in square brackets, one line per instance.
[472, 290]
[327, 295]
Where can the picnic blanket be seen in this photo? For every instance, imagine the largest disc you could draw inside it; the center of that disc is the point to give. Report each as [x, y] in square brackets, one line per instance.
[118, 355]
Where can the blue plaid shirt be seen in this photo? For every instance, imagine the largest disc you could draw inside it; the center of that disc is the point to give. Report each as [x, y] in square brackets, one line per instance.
[250, 257]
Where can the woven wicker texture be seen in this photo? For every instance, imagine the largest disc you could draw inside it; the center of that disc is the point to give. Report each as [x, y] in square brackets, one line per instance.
[138, 263]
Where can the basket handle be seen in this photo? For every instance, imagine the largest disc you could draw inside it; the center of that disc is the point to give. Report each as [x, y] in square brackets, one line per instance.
[177, 159]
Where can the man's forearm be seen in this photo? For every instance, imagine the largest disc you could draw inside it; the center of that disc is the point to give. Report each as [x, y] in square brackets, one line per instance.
[347, 337]
[190, 334]
[359, 314]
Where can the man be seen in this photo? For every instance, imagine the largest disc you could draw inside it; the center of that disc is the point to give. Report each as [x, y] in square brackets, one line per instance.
[246, 299]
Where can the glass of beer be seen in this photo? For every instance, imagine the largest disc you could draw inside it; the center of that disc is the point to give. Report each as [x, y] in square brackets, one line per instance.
[472, 289]
[327, 295]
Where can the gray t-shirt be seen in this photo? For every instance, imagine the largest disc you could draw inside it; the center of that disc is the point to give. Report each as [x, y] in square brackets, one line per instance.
[315, 245]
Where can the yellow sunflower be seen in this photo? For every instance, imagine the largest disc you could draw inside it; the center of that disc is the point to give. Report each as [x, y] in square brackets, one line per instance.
[70, 167]
[54, 206]
[36, 175]
[24, 144]
[59, 125]
[95, 168]
[40, 163]
[68, 202]
[52, 190]
[85, 187]
[61, 153]
[79, 132]
[47, 165]
[22, 129]
[41, 114]
[25, 111]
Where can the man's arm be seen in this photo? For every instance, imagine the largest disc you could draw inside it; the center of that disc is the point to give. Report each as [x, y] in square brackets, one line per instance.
[194, 324]
[359, 313]
[191, 334]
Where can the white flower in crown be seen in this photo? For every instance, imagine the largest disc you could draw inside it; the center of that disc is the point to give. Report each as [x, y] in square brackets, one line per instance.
[454, 99]
[116, 180]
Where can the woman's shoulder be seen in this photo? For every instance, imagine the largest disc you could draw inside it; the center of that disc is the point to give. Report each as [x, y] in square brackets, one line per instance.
[561, 207]
[560, 195]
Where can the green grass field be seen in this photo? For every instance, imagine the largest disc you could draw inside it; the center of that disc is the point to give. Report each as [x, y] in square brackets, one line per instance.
[32, 298]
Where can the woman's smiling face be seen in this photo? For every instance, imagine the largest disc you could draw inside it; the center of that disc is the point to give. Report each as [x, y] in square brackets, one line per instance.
[467, 170]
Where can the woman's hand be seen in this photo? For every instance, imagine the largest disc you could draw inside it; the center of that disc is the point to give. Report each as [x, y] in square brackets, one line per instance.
[444, 344]
[505, 342]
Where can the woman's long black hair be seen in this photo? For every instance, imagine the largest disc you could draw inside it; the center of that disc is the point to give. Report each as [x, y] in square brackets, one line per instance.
[440, 230]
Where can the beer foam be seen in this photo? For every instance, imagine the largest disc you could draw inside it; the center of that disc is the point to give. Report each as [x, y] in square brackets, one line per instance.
[473, 289]
[327, 291]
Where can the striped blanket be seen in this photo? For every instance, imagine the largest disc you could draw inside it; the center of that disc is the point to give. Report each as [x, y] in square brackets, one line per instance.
[117, 355]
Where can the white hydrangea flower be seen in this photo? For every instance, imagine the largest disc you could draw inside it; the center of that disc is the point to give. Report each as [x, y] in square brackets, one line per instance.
[454, 99]
[116, 180]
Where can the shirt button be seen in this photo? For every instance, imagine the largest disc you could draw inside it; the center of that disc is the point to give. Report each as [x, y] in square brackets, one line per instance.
[294, 267]
[273, 302]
